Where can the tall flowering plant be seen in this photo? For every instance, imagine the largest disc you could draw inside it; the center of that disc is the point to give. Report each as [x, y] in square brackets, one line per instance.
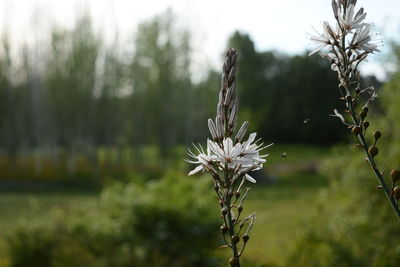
[346, 45]
[229, 159]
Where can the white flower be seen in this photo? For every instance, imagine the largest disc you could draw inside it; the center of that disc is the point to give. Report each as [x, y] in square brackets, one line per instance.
[351, 21]
[204, 160]
[364, 40]
[241, 157]
[227, 155]
[327, 37]
[251, 153]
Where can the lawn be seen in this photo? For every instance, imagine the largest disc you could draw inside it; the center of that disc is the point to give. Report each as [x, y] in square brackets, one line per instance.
[282, 207]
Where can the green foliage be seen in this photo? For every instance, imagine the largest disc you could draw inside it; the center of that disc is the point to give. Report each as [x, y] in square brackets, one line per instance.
[356, 225]
[31, 246]
[172, 218]
[168, 222]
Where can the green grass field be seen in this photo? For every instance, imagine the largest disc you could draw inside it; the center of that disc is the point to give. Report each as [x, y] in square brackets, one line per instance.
[282, 207]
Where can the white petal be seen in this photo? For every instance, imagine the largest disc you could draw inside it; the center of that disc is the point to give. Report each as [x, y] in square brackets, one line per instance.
[196, 170]
[250, 179]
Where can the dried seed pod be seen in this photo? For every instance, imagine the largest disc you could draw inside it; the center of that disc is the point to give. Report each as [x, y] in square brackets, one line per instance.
[362, 114]
[365, 109]
[373, 151]
[240, 208]
[224, 211]
[349, 98]
[396, 192]
[395, 175]
[245, 238]
[356, 130]
[235, 239]
[233, 261]
[377, 135]
[366, 125]
[237, 194]
[223, 229]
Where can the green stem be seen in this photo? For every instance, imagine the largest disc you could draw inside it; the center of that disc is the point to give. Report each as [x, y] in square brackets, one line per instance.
[361, 136]
[374, 167]
[231, 225]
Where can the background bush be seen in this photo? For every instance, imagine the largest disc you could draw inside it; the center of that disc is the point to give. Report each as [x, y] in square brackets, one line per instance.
[166, 222]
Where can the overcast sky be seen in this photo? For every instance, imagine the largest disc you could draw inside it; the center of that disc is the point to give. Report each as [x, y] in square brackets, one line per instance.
[273, 24]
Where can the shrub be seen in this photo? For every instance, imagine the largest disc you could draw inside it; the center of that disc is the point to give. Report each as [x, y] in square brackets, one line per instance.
[165, 222]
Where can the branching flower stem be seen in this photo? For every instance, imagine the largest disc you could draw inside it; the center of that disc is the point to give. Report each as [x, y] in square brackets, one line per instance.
[345, 56]
[229, 160]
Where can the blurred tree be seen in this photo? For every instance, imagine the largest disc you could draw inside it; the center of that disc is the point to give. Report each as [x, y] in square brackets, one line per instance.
[70, 81]
[161, 83]
[289, 97]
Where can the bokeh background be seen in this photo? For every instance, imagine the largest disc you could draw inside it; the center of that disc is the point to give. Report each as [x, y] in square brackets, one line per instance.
[99, 101]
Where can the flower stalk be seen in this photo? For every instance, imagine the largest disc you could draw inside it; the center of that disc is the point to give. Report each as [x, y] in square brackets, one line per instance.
[229, 160]
[346, 46]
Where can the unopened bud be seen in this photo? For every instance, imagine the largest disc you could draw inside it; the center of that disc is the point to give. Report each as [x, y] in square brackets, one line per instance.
[246, 238]
[365, 109]
[373, 151]
[395, 175]
[377, 135]
[356, 130]
[366, 125]
[348, 98]
[237, 194]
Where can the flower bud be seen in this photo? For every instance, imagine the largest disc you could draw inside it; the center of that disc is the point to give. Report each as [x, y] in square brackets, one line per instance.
[395, 175]
[377, 135]
[373, 151]
[365, 109]
[235, 239]
[246, 238]
[396, 192]
[348, 97]
[356, 130]
[366, 125]
[237, 194]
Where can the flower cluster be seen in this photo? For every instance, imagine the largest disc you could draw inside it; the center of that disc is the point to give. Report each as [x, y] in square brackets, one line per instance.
[350, 24]
[241, 158]
[346, 46]
[229, 159]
